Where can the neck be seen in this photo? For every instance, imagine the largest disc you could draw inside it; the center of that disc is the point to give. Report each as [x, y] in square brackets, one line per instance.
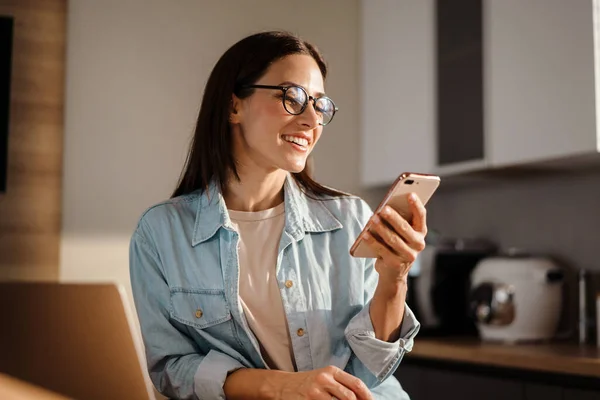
[255, 192]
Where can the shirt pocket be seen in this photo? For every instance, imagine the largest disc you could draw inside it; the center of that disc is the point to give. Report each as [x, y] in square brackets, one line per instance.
[200, 308]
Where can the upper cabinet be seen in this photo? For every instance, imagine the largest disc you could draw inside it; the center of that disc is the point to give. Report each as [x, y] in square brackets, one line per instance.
[451, 87]
[540, 86]
[398, 92]
[458, 47]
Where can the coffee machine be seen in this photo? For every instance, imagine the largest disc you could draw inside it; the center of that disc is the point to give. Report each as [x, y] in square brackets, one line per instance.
[439, 285]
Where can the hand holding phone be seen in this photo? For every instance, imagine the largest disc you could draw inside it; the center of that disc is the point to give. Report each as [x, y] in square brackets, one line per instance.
[423, 185]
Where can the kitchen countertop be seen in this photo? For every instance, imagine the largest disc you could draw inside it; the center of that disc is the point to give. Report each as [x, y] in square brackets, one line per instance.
[562, 358]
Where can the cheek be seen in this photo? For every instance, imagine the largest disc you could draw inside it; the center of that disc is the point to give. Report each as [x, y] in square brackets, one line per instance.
[271, 116]
[318, 133]
[269, 108]
[276, 118]
[257, 122]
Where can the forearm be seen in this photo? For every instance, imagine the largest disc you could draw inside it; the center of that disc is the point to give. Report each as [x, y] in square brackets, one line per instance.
[253, 384]
[387, 309]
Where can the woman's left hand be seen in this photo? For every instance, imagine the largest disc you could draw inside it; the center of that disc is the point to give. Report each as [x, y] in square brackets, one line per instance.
[396, 241]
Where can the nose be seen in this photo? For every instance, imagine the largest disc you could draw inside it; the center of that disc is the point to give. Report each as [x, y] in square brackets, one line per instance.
[309, 116]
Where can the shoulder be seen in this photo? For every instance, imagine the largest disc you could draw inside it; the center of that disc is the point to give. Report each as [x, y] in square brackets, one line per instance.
[346, 209]
[168, 213]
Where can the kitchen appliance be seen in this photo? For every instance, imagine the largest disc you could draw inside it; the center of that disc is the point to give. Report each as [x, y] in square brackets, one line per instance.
[516, 298]
[439, 285]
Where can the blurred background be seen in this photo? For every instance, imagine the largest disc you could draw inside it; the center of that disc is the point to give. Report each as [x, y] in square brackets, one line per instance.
[498, 97]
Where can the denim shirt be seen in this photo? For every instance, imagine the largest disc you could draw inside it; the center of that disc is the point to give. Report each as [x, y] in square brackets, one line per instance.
[185, 273]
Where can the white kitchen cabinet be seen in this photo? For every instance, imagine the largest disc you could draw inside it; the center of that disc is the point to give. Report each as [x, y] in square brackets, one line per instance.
[540, 86]
[540, 61]
[397, 96]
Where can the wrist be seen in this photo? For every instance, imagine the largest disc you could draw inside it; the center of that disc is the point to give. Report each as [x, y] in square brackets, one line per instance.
[395, 287]
[392, 274]
[255, 384]
[271, 387]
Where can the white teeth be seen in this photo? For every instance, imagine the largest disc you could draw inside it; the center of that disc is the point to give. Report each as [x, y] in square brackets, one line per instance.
[297, 140]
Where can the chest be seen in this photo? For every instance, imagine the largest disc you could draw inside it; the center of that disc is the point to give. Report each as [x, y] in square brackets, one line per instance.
[318, 266]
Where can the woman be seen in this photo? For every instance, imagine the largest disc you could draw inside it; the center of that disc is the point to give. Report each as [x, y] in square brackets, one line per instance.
[242, 281]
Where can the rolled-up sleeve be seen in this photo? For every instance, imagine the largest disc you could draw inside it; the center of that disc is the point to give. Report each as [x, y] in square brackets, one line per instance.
[211, 374]
[376, 359]
[176, 365]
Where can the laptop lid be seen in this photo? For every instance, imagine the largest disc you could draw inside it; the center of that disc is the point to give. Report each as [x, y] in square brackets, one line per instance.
[74, 339]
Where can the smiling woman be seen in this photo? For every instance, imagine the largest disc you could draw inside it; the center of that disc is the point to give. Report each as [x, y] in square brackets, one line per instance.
[218, 145]
[243, 281]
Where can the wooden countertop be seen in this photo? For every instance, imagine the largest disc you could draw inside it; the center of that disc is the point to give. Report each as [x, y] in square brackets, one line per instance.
[563, 358]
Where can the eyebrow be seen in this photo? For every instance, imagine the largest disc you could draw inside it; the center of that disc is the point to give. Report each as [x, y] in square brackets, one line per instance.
[286, 83]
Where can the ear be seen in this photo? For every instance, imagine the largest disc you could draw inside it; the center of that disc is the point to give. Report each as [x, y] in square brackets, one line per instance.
[235, 111]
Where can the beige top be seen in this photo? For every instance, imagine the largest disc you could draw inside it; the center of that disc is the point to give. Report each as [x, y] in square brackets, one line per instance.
[260, 233]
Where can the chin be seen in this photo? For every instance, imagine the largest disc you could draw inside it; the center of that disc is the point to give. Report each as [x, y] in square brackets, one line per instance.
[294, 167]
[295, 170]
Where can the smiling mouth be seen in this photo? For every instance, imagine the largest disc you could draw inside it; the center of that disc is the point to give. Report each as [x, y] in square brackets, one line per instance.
[301, 142]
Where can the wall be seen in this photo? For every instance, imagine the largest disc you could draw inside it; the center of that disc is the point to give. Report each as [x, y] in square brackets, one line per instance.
[136, 71]
[30, 214]
[553, 213]
[545, 213]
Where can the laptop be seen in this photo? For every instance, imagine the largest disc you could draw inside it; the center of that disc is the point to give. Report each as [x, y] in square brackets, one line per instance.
[75, 339]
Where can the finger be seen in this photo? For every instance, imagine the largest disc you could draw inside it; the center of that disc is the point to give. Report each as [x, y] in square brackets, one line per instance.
[390, 237]
[379, 248]
[354, 384]
[327, 386]
[414, 238]
[389, 258]
[419, 222]
[340, 392]
[324, 395]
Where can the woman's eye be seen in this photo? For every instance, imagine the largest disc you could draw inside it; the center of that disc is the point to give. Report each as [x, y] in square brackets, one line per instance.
[322, 108]
[293, 104]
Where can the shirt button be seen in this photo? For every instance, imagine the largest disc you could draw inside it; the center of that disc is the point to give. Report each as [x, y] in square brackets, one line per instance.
[289, 284]
[199, 313]
[300, 332]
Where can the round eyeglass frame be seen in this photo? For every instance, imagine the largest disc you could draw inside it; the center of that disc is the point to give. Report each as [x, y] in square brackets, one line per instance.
[284, 89]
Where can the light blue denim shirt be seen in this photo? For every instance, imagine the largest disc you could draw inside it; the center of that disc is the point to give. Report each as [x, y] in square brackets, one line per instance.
[185, 274]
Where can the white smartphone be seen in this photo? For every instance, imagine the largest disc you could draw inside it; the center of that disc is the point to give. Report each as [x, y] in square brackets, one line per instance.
[423, 185]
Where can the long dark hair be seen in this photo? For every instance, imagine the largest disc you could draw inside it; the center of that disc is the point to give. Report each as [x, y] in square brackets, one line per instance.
[210, 156]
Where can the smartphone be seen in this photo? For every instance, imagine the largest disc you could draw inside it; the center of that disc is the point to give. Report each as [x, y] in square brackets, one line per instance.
[423, 185]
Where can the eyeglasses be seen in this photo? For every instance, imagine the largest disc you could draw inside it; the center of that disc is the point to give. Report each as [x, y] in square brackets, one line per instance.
[295, 99]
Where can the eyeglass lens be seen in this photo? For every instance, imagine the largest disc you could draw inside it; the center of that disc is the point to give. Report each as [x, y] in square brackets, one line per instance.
[296, 99]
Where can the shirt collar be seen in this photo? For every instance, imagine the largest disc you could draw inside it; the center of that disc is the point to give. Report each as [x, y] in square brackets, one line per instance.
[302, 213]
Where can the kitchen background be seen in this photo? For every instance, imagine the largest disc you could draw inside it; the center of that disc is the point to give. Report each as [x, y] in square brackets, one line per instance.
[133, 73]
